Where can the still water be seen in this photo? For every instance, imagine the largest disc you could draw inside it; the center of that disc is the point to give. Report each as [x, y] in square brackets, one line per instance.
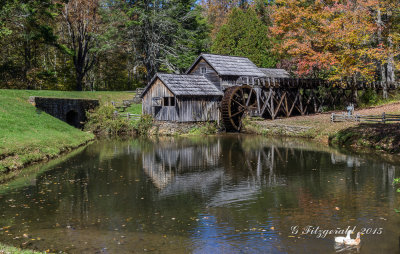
[230, 194]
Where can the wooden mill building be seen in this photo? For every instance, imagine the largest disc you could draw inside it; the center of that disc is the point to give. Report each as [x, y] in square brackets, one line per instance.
[195, 96]
[225, 71]
[181, 98]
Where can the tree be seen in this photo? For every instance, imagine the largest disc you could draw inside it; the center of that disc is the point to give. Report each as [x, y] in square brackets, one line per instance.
[165, 34]
[305, 47]
[6, 8]
[388, 36]
[244, 34]
[82, 22]
[192, 35]
[216, 12]
[26, 27]
[334, 39]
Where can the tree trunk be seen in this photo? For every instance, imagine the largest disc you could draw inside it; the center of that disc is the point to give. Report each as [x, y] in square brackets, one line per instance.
[27, 62]
[381, 67]
[384, 90]
[79, 81]
[390, 62]
[354, 90]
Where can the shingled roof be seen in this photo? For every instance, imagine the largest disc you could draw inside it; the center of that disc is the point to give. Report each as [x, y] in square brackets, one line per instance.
[275, 73]
[186, 85]
[230, 65]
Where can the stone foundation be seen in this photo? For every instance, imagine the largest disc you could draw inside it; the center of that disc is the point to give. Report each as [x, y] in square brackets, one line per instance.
[173, 128]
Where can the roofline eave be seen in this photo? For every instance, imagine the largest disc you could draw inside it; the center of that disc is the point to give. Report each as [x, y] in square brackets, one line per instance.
[152, 81]
[197, 60]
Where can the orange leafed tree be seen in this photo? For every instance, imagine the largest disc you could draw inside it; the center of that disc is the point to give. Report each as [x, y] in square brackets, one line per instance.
[306, 43]
[338, 39]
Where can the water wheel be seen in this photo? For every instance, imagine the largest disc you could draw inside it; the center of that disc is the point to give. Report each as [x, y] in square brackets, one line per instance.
[236, 103]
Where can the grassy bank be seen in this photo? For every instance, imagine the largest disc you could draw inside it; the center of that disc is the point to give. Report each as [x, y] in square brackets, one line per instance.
[102, 96]
[385, 137]
[316, 127]
[27, 135]
[4, 249]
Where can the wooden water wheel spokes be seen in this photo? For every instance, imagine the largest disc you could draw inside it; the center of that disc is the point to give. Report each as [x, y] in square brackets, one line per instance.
[236, 103]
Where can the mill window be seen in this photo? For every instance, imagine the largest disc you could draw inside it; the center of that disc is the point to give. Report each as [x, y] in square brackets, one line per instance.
[168, 101]
[203, 70]
[156, 101]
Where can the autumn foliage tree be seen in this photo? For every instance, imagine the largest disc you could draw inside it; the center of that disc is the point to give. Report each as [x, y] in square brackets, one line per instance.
[121, 44]
[387, 14]
[339, 40]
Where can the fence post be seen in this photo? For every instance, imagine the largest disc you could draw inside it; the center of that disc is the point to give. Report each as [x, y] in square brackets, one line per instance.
[383, 117]
[115, 114]
[128, 116]
[332, 117]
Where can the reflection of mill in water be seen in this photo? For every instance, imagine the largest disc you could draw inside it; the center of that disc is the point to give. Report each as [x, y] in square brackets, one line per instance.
[170, 160]
[209, 168]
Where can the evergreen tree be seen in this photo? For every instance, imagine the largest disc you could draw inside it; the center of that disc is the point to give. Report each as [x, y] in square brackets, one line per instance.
[25, 28]
[244, 34]
[166, 34]
[192, 35]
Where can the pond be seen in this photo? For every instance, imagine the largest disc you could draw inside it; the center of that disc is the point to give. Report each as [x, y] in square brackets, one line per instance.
[228, 194]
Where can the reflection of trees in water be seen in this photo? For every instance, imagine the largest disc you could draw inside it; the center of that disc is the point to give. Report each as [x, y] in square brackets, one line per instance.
[93, 184]
[381, 176]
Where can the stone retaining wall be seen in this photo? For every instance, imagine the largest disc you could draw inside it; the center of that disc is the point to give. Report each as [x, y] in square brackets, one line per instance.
[72, 111]
[164, 128]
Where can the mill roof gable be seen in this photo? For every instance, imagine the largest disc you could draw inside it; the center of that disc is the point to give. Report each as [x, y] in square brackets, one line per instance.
[186, 85]
[230, 65]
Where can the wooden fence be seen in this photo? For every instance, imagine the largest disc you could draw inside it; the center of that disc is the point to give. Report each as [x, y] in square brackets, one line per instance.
[384, 118]
[129, 116]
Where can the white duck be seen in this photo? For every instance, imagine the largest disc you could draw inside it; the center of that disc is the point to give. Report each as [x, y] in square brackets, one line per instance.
[356, 241]
[341, 239]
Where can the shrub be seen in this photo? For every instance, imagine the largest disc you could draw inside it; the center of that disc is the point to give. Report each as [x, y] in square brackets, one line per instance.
[143, 126]
[369, 97]
[103, 121]
[207, 129]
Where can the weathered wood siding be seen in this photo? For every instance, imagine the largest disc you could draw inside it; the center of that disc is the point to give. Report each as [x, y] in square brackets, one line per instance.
[194, 109]
[228, 81]
[162, 113]
[211, 74]
[186, 109]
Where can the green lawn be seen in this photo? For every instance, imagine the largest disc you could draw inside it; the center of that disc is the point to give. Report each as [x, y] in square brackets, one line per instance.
[103, 96]
[27, 135]
[135, 109]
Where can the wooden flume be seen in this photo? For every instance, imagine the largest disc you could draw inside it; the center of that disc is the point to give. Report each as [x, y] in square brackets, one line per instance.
[271, 98]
